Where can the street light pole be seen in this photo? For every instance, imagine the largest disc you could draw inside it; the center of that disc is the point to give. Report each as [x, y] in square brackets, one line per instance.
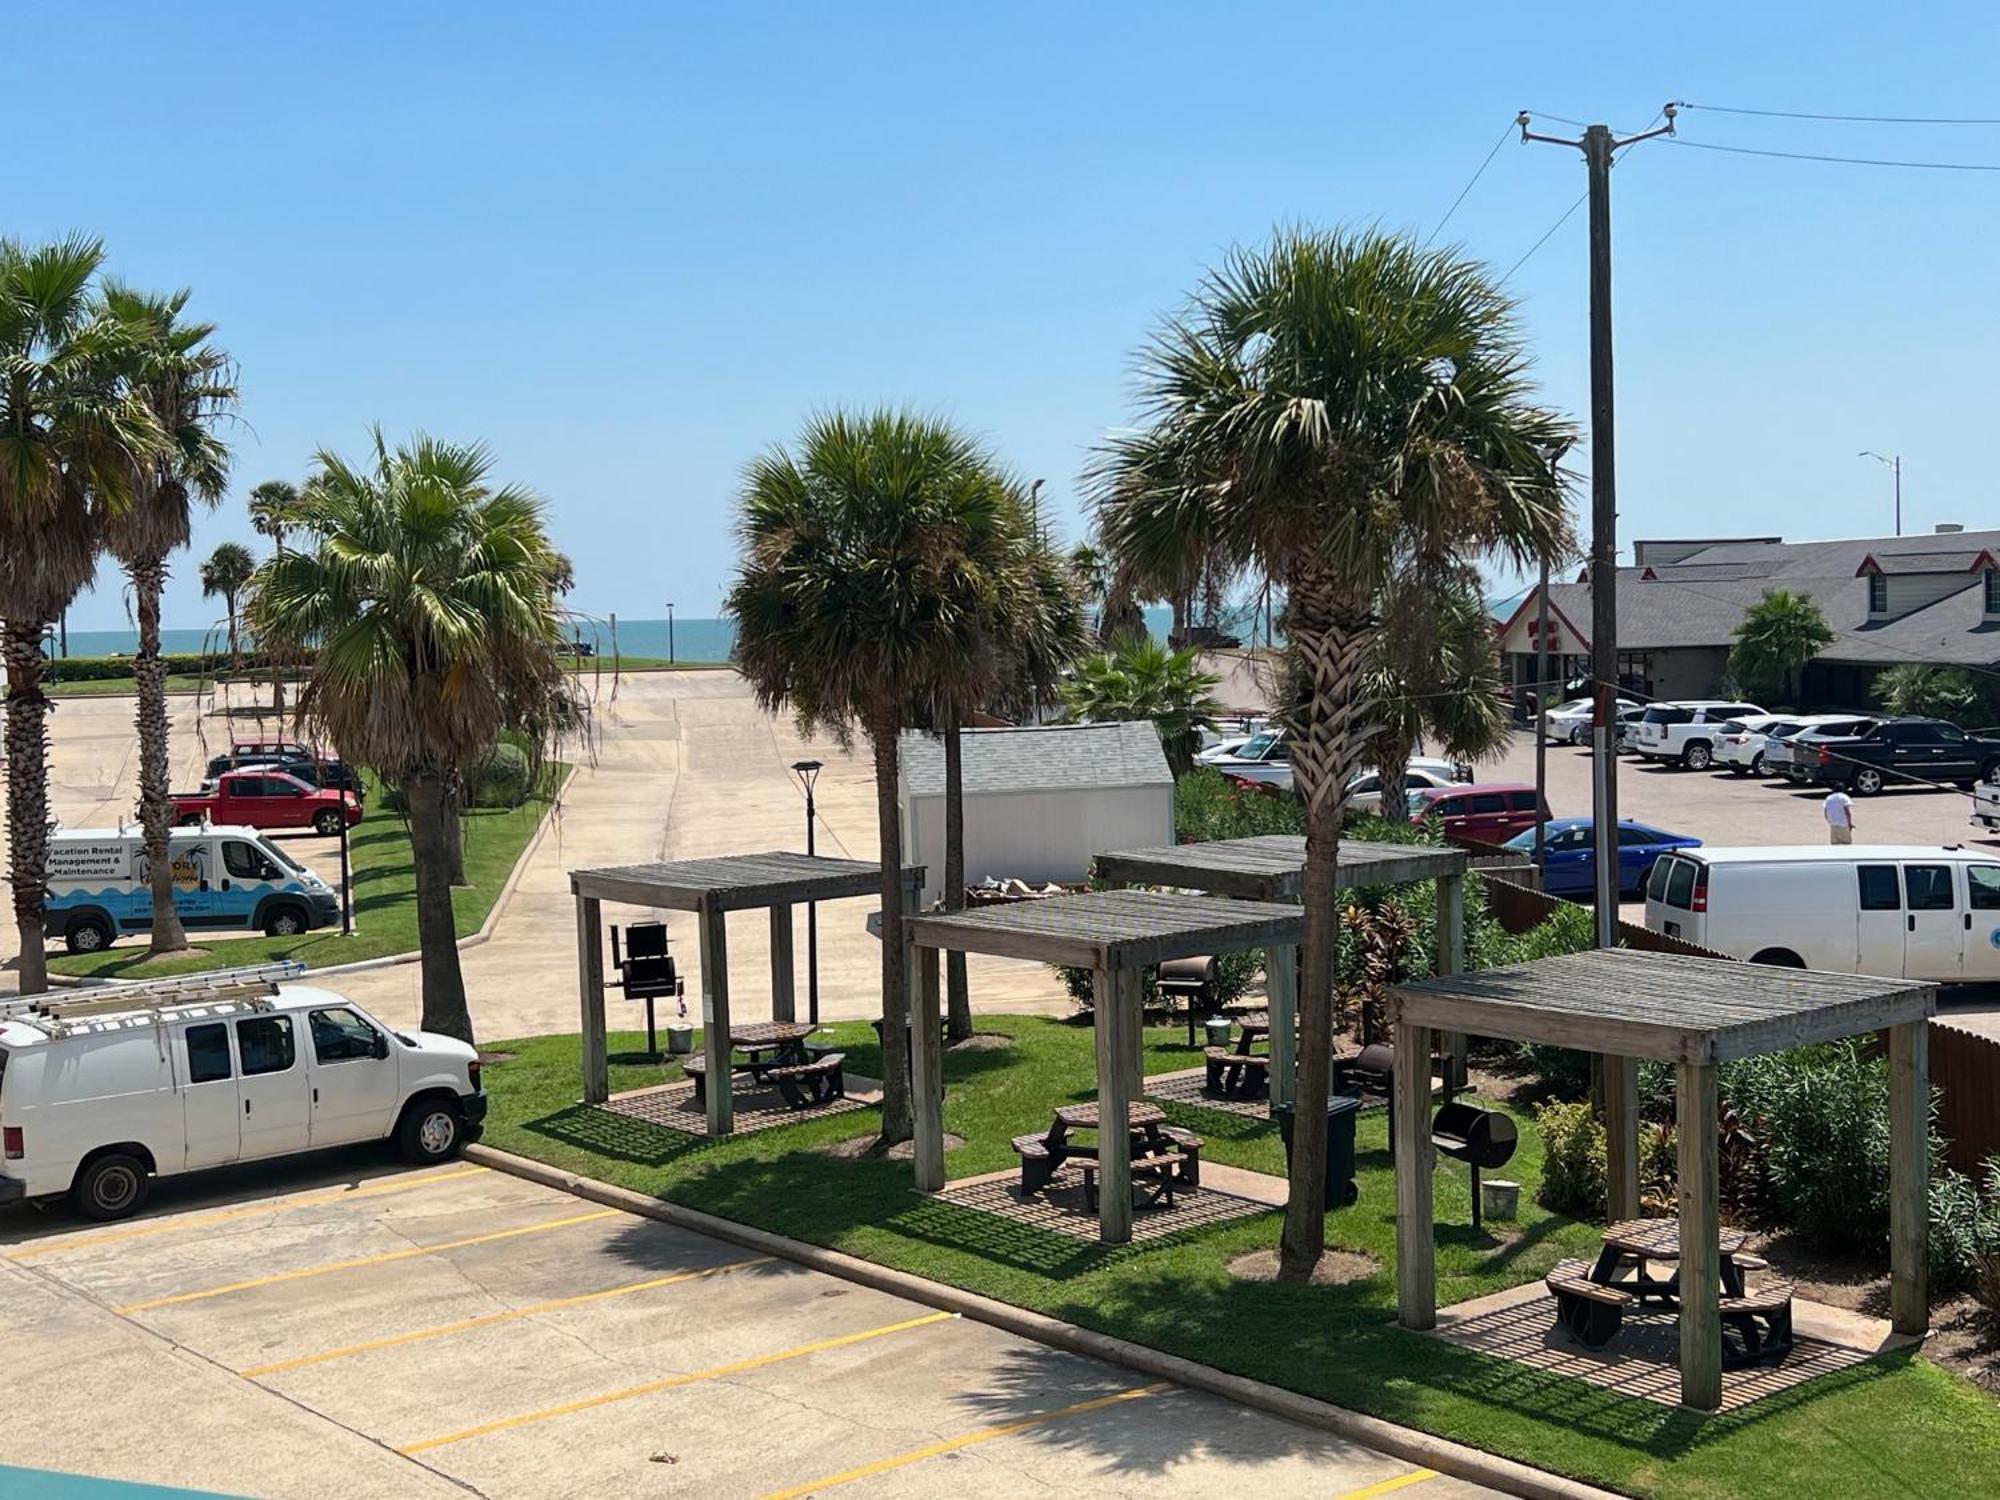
[1895, 467]
[807, 772]
[670, 632]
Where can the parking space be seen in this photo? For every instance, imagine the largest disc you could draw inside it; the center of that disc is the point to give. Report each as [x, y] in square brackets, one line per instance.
[460, 1327]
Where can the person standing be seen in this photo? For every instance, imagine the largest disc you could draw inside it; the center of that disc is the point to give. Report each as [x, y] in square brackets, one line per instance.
[1839, 817]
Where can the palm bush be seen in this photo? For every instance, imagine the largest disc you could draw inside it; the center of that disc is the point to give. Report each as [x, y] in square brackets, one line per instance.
[1141, 679]
[1931, 692]
[1777, 636]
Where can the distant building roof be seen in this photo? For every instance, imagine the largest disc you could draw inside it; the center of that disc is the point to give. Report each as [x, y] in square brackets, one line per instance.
[1046, 757]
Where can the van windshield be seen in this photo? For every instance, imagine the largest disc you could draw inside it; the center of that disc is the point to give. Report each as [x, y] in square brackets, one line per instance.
[281, 857]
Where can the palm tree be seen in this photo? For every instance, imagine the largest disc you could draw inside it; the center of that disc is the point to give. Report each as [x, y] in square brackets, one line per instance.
[427, 596]
[71, 438]
[274, 512]
[854, 601]
[1361, 407]
[225, 575]
[1928, 692]
[1777, 636]
[1142, 679]
[187, 384]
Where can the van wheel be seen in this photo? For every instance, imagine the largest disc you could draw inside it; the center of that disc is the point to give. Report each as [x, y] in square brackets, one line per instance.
[330, 823]
[1779, 958]
[430, 1131]
[1866, 782]
[111, 1186]
[1698, 756]
[88, 935]
[285, 921]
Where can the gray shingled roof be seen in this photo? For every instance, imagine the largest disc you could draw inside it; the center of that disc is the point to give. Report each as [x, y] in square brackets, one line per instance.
[1047, 757]
[1959, 560]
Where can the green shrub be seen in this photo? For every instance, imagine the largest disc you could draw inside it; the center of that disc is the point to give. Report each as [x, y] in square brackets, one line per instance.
[1821, 1116]
[179, 664]
[500, 778]
[1208, 806]
[1573, 1159]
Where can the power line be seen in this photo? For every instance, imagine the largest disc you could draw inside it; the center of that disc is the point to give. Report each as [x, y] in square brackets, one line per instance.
[1850, 161]
[1794, 114]
[1546, 236]
[1506, 131]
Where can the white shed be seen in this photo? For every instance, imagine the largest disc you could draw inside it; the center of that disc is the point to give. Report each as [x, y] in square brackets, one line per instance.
[1039, 800]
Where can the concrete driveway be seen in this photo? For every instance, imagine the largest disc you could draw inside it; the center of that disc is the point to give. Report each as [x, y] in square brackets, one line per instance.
[341, 1327]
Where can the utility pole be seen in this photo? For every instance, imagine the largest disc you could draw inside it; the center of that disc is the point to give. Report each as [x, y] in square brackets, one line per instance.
[1542, 725]
[1895, 467]
[1599, 147]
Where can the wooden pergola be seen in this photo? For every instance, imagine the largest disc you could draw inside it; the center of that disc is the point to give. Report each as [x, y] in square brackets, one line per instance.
[1272, 867]
[1115, 934]
[711, 889]
[1694, 1013]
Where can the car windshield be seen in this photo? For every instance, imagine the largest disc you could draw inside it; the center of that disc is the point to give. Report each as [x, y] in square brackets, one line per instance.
[1259, 745]
[1419, 804]
[1524, 841]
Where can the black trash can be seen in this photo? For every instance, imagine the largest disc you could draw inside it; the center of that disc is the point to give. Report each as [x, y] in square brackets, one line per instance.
[1341, 1113]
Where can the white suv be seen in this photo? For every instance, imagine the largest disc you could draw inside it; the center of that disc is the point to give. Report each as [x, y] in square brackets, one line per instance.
[1740, 746]
[1687, 732]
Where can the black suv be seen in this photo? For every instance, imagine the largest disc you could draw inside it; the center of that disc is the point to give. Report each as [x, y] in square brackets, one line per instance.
[1909, 752]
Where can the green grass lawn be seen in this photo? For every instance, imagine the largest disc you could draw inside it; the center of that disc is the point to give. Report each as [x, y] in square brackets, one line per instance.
[603, 660]
[124, 687]
[385, 897]
[1897, 1426]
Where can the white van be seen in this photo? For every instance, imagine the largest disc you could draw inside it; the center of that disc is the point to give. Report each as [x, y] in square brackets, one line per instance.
[1921, 912]
[102, 1090]
[100, 885]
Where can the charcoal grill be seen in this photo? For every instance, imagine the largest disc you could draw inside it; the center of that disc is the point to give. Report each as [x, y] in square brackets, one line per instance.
[1192, 981]
[646, 972]
[1483, 1139]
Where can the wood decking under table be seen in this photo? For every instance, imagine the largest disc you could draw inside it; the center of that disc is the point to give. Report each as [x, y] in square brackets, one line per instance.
[1059, 1207]
[672, 1106]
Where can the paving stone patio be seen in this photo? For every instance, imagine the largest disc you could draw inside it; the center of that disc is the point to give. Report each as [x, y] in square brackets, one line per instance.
[672, 1106]
[1060, 1209]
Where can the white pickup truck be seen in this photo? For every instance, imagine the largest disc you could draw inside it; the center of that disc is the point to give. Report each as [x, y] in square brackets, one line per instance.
[1986, 805]
[1686, 732]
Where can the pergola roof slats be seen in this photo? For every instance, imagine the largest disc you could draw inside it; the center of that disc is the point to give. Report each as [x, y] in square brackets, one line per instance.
[1110, 929]
[1271, 867]
[734, 882]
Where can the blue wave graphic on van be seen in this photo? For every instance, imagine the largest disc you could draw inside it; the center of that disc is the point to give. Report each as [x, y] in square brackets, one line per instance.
[116, 898]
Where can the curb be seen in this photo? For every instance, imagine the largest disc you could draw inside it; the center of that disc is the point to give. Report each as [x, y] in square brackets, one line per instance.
[1441, 1454]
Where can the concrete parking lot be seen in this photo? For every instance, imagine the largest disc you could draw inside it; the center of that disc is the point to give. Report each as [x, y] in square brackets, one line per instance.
[341, 1327]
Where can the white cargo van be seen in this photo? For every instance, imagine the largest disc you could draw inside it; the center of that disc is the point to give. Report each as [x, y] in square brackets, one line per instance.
[102, 1090]
[1918, 911]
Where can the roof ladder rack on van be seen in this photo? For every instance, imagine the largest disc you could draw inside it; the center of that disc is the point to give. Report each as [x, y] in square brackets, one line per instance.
[154, 994]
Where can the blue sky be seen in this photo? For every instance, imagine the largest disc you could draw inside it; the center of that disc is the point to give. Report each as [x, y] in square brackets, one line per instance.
[629, 245]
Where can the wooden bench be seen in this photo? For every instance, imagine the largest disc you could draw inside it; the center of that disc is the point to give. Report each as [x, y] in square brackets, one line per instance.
[1591, 1311]
[1241, 1073]
[1762, 1320]
[1039, 1163]
[808, 1083]
[1162, 1170]
[1190, 1147]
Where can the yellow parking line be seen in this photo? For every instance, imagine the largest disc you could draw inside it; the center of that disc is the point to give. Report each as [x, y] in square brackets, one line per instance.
[490, 1319]
[248, 1211]
[1390, 1486]
[365, 1260]
[952, 1445]
[719, 1372]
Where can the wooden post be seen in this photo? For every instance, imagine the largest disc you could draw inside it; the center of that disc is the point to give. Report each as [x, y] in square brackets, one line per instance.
[590, 997]
[1909, 1176]
[784, 1005]
[715, 1020]
[1281, 995]
[1416, 1208]
[1621, 1137]
[927, 1076]
[1114, 1139]
[1451, 960]
[1133, 1002]
[1701, 1231]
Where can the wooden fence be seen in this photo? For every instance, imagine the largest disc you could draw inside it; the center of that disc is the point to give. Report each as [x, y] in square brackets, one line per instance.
[1965, 1072]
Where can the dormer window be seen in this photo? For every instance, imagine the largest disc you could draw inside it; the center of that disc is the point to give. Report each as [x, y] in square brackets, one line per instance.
[1991, 579]
[1878, 593]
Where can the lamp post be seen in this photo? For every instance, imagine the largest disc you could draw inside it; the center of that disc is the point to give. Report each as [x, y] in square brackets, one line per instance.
[807, 772]
[670, 632]
[1895, 467]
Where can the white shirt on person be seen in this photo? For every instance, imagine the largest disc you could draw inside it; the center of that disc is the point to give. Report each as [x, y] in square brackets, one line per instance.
[1839, 810]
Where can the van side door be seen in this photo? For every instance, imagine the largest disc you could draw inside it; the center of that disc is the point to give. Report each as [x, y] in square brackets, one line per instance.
[1982, 922]
[277, 1102]
[356, 1082]
[1879, 922]
[210, 1104]
[1933, 923]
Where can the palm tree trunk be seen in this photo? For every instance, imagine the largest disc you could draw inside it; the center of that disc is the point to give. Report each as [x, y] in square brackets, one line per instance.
[445, 1009]
[156, 813]
[1333, 629]
[897, 1123]
[958, 1000]
[1391, 769]
[235, 642]
[454, 828]
[28, 796]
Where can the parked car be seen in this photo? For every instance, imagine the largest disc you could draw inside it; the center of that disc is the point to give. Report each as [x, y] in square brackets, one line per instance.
[1792, 755]
[1911, 751]
[100, 885]
[1684, 733]
[320, 771]
[1740, 745]
[97, 1100]
[1912, 912]
[1570, 723]
[1264, 758]
[264, 798]
[1986, 805]
[1364, 792]
[1628, 727]
[1485, 812]
[273, 750]
[1571, 854]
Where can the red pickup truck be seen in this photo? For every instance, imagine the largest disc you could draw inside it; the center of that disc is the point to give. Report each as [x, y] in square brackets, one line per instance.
[260, 797]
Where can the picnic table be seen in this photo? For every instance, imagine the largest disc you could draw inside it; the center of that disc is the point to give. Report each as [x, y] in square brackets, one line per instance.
[1168, 1157]
[1241, 1071]
[778, 1052]
[1591, 1300]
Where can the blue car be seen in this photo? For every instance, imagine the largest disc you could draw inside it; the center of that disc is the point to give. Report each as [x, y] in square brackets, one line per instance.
[1572, 856]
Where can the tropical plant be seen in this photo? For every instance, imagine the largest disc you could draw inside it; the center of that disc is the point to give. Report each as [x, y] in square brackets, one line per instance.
[186, 382]
[853, 603]
[274, 513]
[1930, 692]
[427, 595]
[72, 437]
[1141, 679]
[225, 575]
[1357, 407]
[1777, 636]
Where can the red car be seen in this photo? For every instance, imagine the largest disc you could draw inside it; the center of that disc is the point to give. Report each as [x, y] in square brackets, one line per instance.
[262, 797]
[1489, 812]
